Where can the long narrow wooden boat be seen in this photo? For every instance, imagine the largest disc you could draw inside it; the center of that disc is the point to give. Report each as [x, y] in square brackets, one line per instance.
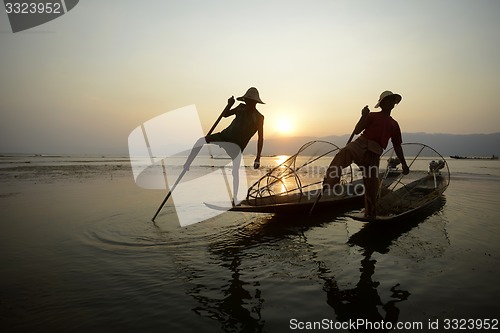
[406, 201]
[411, 194]
[457, 157]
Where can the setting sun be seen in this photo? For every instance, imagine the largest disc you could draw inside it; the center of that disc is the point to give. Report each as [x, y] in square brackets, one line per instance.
[284, 126]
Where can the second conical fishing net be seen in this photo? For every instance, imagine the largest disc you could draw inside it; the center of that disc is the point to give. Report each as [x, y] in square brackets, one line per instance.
[428, 178]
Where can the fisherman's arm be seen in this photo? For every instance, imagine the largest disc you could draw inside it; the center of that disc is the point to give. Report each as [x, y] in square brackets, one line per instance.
[260, 144]
[399, 153]
[361, 125]
[227, 110]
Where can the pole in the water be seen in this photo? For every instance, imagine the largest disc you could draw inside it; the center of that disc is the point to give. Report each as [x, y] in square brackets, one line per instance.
[169, 193]
[184, 170]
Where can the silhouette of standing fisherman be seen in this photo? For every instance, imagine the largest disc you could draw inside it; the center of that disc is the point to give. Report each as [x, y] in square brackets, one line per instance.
[365, 151]
[234, 139]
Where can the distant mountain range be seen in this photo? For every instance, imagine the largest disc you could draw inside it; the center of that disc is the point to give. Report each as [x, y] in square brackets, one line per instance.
[446, 144]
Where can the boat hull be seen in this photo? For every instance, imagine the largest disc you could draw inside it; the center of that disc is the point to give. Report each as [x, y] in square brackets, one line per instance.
[302, 207]
[360, 216]
[409, 200]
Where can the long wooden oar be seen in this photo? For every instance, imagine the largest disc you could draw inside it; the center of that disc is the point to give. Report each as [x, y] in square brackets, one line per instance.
[321, 193]
[184, 171]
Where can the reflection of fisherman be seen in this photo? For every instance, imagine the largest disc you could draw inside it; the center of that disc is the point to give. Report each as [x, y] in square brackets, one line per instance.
[236, 136]
[363, 302]
[365, 151]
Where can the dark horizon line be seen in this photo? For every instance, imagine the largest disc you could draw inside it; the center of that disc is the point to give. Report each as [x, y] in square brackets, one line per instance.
[123, 151]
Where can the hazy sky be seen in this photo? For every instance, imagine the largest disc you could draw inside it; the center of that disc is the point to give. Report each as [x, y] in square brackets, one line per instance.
[83, 82]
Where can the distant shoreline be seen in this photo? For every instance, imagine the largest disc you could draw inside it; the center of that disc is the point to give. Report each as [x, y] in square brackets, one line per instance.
[445, 144]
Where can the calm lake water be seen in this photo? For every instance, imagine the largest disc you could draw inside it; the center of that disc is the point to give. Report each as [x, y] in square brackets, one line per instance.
[79, 253]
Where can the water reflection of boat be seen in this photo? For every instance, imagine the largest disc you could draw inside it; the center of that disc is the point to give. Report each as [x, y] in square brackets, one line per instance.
[365, 298]
[332, 260]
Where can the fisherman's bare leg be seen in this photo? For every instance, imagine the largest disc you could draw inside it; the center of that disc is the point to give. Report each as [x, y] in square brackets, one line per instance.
[236, 177]
[342, 160]
[194, 152]
[370, 168]
[371, 191]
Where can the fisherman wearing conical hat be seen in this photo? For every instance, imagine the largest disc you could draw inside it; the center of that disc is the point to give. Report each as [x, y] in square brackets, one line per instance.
[378, 128]
[248, 121]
